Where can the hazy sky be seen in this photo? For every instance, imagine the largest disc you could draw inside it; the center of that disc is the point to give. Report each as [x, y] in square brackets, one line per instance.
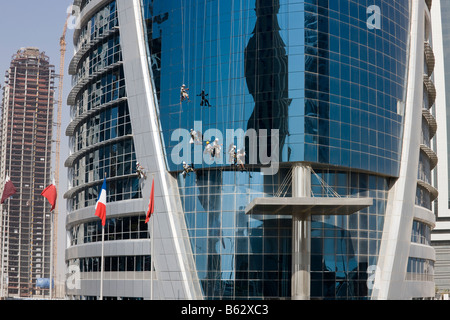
[31, 23]
[39, 23]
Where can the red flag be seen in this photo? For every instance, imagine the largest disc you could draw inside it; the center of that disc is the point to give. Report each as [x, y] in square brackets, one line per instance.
[151, 205]
[51, 194]
[9, 189]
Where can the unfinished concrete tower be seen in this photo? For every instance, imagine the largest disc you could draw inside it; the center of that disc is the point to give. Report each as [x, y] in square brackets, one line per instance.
[26, 149]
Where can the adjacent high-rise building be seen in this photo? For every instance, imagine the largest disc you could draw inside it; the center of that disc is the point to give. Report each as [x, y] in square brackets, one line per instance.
[308, 126]
[25, 156]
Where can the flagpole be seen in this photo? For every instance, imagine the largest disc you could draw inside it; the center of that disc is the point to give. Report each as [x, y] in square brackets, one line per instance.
[51, 254]
[50, 193]
[2, 274]
[149, 219]
[6, 292]
[152, 238]
[52, 239]
[102, 262]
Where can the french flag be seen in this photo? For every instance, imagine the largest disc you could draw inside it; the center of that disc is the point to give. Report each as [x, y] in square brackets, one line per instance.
[100, 206]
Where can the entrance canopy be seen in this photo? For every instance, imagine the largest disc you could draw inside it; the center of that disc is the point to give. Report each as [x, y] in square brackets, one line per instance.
[307, 205]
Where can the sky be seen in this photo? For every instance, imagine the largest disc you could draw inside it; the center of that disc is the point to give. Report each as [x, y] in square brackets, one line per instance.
[40, 23]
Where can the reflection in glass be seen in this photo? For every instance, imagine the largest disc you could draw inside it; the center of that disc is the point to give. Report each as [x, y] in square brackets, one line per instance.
[266, 73]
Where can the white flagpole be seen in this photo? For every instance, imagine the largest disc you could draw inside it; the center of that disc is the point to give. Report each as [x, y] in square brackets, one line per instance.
[5, 214]
[51, 250]
[5, 294]
[102, 263]
[3, 228]
[2, 274]
[51, 254]
[152, 238]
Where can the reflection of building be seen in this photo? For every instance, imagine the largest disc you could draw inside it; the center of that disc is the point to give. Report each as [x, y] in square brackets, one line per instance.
[347, 101]
[266, 73]
[440, 236]
[26, 148]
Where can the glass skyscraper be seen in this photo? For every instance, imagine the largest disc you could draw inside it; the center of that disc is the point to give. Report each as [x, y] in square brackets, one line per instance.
[341, 89]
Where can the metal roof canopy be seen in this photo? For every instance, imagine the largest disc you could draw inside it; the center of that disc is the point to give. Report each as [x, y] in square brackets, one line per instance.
[307, 205]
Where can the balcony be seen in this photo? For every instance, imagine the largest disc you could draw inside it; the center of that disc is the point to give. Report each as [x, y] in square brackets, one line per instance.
[432, 124]
[431, 155]
[85, 48]
[431, 90]
[78, 120]
[432, 190]
[429, 58]
[71, 100]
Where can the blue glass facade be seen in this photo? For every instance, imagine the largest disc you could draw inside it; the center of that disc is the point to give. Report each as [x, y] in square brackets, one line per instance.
[236, 256]
[331, 85]
[334, 86]
[343, 247]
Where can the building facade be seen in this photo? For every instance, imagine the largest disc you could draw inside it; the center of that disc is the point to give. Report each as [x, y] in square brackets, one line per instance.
[440, 236]
[325, 98]
[26, 150]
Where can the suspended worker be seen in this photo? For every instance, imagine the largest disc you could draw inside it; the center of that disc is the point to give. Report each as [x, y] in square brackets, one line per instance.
[184, 93]
[196, 137]
[214, 149]
[187, 169]
[232, 154]
[217, 148]
[240, 157]
[205, 101]
[140, 171]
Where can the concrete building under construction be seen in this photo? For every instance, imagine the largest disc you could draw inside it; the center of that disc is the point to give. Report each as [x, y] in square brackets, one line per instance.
[25, 156]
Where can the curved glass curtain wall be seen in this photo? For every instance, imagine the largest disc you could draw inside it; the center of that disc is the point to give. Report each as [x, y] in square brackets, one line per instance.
[99, 25]
[237, 256]
[107, 124]
[105, 54]
[122, 228]
[107, 130]
[118, 161]
[331, 86]
[107, 88]
[344, 247]
[354, 83]
[241, 256]
[313, 70]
